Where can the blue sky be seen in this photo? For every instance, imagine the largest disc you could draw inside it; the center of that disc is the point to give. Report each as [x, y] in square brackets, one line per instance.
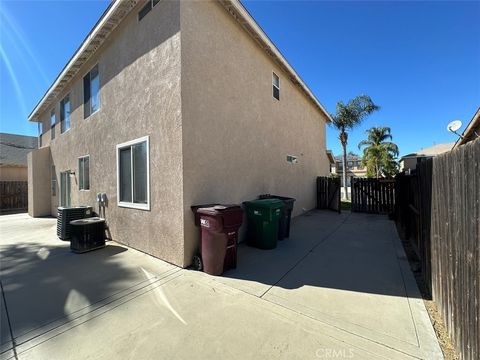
[420, 61]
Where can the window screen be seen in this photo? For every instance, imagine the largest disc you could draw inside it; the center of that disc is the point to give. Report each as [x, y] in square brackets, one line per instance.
[84, 173]
[65, 114]
[52, 124]
[276, 86]
[146, 9]
[126, 175]
[91, 92]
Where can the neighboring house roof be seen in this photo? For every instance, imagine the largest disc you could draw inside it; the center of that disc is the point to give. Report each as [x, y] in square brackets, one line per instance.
[471, 132]
[339, 158]
[14, 149]
[430, 151]
[114, 15]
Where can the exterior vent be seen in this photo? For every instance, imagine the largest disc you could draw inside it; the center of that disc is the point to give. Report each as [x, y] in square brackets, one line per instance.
[67, 214]
[87, 234]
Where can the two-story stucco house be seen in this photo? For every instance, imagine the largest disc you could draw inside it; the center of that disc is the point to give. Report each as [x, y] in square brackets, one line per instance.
[168, 104]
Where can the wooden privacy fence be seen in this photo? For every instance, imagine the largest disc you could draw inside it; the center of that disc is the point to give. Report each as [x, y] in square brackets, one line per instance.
[13, 196]
[438, 209]
[376, 196]
[413, 212]
[328, 193]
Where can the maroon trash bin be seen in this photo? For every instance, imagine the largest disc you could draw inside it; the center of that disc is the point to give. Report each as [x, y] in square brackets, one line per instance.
[219, 234]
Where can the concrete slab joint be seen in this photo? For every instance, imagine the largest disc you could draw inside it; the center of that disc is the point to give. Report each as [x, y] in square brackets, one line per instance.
[340, 285]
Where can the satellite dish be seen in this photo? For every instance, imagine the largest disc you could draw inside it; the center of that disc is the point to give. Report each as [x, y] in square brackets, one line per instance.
[454, 126]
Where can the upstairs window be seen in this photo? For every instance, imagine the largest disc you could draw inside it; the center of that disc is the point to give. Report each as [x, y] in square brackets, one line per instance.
[91, 92]
[84, 173]
[276, 86]
[40, 132]
[146, 9]
[133, 184]
[65, 114]
[53, 120]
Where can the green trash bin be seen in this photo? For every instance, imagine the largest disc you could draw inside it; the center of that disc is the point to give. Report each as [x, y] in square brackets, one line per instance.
[263, 217]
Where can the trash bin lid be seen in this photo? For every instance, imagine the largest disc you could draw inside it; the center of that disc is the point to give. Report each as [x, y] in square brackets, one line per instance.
[283, 198]
[200, 206]
[219, 209]
[226, 207]
[265, 203]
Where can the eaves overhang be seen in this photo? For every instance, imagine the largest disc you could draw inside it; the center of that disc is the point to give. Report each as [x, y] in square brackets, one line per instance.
[113, 15]
[469, 130]
[243, 17]
[119, 9]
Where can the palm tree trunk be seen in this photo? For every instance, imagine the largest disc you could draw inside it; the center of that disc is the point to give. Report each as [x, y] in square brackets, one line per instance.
[345, 187]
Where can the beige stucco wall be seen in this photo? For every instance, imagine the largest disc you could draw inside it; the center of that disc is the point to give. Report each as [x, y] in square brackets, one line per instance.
[13, 173]
[39, 182]
[139, 69]
[236, 136]
[204, 97]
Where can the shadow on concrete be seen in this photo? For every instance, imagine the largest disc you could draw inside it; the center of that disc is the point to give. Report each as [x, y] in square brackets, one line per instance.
[353, 252]
[43, 284]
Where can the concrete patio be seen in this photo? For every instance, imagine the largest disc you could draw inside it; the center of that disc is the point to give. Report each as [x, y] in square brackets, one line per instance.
[340, 287]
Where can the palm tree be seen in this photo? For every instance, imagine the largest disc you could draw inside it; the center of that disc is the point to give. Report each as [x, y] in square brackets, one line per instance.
[379, 154]
[347, 117]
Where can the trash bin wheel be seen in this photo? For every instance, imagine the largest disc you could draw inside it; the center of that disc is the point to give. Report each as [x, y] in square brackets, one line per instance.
[197, 263]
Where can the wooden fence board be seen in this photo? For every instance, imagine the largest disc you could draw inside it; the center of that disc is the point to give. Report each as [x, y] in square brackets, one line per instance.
[445, 232]
[328, 193]
[13, 196]
[373, 196]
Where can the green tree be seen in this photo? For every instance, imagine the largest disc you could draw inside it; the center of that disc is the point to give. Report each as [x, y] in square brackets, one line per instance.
[379, 155]
[348, 116]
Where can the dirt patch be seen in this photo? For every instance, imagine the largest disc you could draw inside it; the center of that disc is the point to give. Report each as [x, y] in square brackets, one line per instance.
[444, 339]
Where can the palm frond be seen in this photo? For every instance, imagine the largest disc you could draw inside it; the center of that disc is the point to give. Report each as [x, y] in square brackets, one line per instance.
[379, 155]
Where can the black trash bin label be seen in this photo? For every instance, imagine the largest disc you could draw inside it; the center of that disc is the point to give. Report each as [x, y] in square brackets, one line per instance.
[256, 212]
[204, 223]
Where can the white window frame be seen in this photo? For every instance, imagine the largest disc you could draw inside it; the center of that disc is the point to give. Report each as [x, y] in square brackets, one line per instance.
[79, 174]
[275, 86]
[127, 144]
